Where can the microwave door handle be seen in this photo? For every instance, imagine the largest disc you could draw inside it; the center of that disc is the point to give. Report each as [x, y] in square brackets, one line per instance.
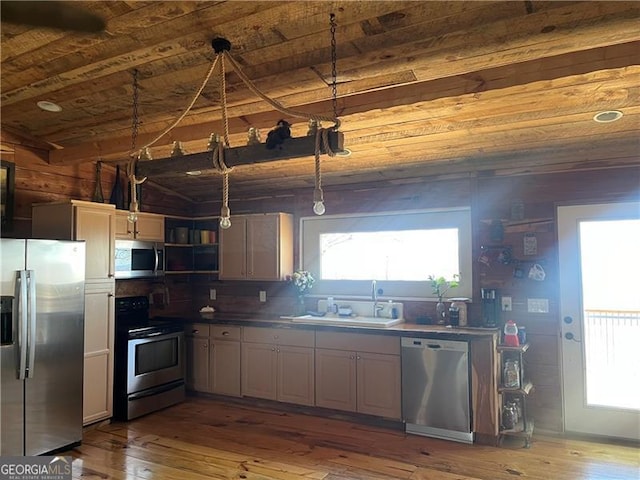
[31, 275]
[155, 267]
[22, 324]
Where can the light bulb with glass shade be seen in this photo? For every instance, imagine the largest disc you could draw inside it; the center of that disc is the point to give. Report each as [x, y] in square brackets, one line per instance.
[318, 202]
[132, 216]
[225, 220]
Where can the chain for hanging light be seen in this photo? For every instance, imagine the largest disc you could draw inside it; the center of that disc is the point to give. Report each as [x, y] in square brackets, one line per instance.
[318, 195]
[132, 217]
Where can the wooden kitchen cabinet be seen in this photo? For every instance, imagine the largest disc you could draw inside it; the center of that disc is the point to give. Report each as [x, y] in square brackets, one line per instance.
[213, 358]
[95, 224]
[224, 360]
[79, 220]
[197, 353]
[98, 352]
[257, 247]
[278, 364]
[359, 373]
[148, 227]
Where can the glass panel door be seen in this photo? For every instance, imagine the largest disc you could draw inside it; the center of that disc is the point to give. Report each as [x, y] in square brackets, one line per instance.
[600, 317]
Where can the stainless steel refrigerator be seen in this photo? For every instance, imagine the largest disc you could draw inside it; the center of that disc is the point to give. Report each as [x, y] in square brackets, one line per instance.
[42, 345]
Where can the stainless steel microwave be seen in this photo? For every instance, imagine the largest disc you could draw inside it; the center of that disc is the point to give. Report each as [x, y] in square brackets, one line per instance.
[137, 259]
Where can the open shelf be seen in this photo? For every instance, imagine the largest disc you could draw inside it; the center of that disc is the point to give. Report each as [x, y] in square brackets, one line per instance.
[523, 390]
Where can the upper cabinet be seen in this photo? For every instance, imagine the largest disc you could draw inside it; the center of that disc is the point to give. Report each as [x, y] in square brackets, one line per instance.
[80, 220]
[257, 247]
[149, 226]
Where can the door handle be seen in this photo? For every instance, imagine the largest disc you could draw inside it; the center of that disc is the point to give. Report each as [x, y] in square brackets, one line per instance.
[31, 276]
[22, 324]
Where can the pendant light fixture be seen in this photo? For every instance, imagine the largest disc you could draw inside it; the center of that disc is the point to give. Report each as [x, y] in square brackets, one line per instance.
[327, 141]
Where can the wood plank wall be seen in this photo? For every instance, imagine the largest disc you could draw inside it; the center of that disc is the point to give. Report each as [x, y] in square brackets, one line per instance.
[491, 198]
[39, 182]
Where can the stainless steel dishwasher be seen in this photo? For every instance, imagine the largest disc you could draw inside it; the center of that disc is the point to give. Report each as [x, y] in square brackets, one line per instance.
[435, 388]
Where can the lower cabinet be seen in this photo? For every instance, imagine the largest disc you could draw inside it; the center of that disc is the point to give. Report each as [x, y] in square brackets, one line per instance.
[213, 358]
[278, 364]
[358, 373]
[224, 360]
[99, 303]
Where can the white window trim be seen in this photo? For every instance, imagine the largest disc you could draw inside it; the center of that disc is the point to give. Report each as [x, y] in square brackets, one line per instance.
[458, 217]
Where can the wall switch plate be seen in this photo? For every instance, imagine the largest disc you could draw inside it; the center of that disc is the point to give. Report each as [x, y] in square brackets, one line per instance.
[212, 294]
[263, 296]
[538, 305]
[506, 304]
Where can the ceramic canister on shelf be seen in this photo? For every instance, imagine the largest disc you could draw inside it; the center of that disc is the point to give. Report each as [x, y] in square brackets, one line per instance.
[204, 236]
[182, 235]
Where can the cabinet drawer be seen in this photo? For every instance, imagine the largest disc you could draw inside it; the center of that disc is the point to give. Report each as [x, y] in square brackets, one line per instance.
[359, 342]
[224, 332]
[197, 330]
[279, 336]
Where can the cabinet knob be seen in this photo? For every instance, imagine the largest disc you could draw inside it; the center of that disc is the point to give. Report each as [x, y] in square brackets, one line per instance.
[278, 350]
[110, 275]
[358, 357]
[276, 337]
[205, 345]
[195, 331]
[110, 294]
[225, 333]
[352, 357]
[273, 349]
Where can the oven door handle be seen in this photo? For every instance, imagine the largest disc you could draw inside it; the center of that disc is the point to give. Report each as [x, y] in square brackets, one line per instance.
[154, 337]
[156, 390]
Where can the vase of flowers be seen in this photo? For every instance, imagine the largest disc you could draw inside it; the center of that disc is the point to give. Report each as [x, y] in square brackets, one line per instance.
[440, 286]
[303, 281]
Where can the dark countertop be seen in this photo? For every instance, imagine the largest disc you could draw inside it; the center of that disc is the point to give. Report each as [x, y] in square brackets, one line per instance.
[261, 320]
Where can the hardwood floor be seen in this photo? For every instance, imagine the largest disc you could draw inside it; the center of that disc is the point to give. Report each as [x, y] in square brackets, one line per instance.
[208, 439]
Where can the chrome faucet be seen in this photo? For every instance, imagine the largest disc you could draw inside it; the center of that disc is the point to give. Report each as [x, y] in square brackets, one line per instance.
[374, 296]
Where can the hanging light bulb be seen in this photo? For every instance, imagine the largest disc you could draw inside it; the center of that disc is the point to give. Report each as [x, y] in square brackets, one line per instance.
[225, 220]
[318, 202]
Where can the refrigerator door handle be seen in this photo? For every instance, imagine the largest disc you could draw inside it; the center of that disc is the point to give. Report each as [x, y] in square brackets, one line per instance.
[31, 275]
[22, 324]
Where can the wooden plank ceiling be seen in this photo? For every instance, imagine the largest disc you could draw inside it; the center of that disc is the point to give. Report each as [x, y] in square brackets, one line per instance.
[424, 87]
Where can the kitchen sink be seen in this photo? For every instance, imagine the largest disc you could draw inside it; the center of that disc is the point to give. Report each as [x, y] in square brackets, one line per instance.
[357, 321]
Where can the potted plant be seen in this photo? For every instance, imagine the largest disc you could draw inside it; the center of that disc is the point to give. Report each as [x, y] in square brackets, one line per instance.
[303, 281]
[440, 286]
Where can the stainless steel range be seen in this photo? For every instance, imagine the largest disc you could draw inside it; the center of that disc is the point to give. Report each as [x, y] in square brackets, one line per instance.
[149, 361]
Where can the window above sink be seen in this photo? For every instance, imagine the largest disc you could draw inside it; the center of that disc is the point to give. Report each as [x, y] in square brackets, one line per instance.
[397, 249]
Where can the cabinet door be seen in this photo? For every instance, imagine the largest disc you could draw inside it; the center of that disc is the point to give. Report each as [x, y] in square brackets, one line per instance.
[98, 352]
[336, 379]
[296, 375]
[233, 250]
[197, 364]
[379, 385]
[259, 370]
[262, 247]
[150, 227]
[224, 367]
[97, 227]
[124, 228]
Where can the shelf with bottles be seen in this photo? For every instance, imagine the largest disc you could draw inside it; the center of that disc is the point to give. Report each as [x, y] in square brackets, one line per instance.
[514, 390]
[192, 245]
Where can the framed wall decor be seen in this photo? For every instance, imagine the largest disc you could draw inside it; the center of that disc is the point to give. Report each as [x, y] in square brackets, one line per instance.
[7, 191]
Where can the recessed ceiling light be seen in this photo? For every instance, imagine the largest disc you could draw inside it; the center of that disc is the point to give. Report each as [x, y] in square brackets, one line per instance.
[607, 116]
[194, 173]
[49, 106]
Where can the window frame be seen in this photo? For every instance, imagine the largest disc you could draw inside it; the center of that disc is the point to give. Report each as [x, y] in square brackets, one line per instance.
[312, 227]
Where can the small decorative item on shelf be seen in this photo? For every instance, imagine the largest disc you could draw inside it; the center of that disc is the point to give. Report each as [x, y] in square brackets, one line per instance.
[177, 150]
[511, 334]
[253, 136]
[214, 139]
[440, 286]
[303, 281]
